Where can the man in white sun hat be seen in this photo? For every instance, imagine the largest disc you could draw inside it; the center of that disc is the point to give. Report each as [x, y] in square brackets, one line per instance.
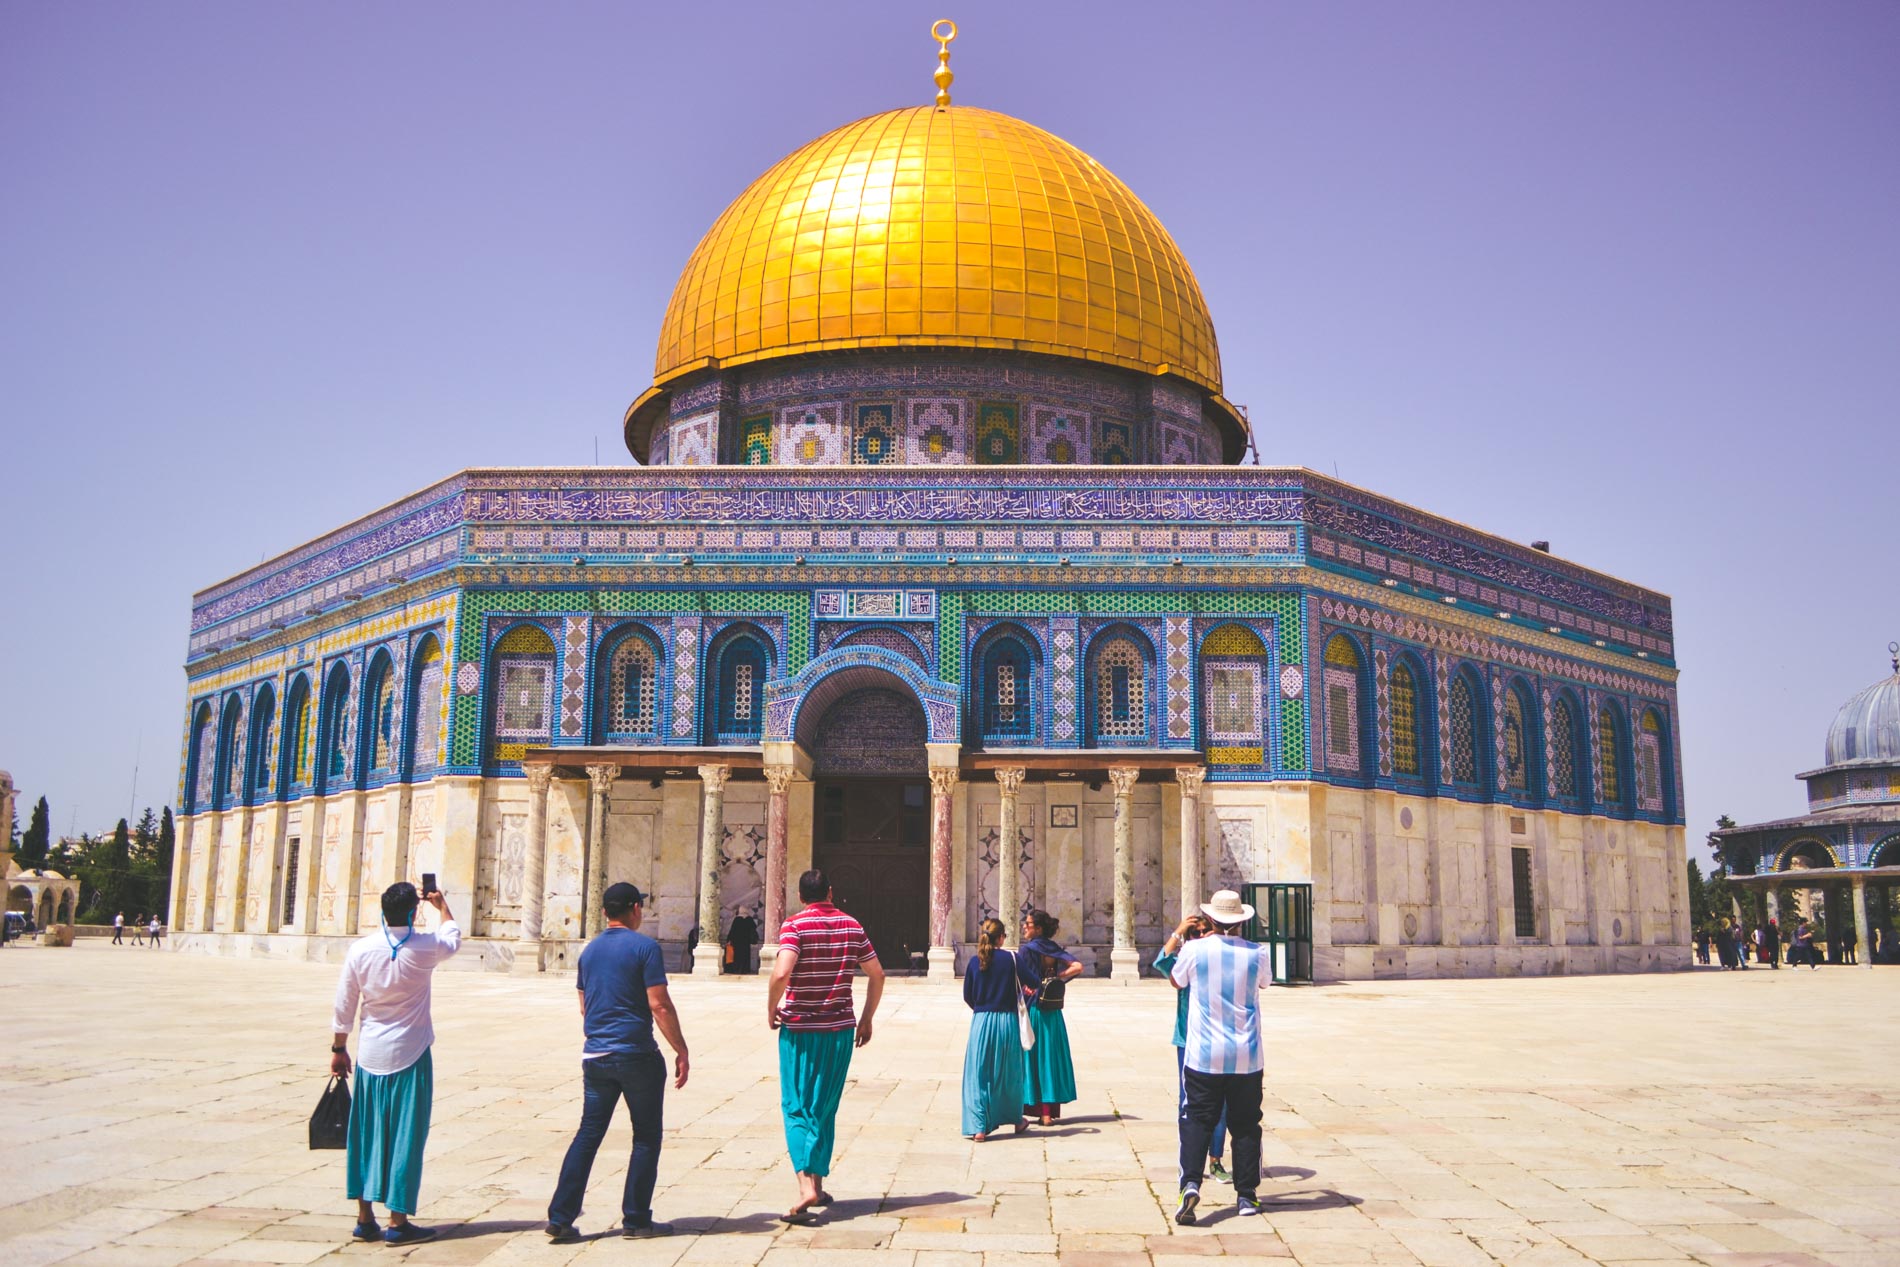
[1224, 1056]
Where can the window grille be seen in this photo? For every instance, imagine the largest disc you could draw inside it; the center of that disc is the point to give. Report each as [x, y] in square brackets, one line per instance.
[1563, 748]
[384, 757]
[741, 688]
[524, 699]
[1521, 899]
[1405, 744]
[1464, 731]
[264, 747]
[1649, 765]
[742, 691]
[1517, 769]
[632, 688]
[1121, 700]
[206, 761]
[1607, 764]
[426, 700]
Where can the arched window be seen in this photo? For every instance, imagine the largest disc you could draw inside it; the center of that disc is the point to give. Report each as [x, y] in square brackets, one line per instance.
[333, 732]
[1651, 788]
[1343, 669]
[741, 666]
[1120, 677]
[1612, 757]
[297, 728]
[1564, 766]
[229, 781]
[382, 742]
[263, 743]
[1470, 738]
[1520, 755]
[629, 706]
[1008, 707]
[1233, 709]
[524, 691]
[1408, 721]
[425, 706]
[202, 759]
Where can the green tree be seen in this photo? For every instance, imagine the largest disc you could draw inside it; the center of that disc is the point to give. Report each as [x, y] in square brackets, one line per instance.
[1698, 896]
[36, 842]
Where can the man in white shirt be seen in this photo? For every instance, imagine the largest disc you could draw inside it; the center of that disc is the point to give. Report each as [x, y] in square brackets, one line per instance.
[1223, 1059]
[387, 974]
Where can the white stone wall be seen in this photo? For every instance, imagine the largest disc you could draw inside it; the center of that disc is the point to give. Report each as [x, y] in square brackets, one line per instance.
[1403, 885]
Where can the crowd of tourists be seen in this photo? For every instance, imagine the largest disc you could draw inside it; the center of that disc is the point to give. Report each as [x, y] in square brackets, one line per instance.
[1734, 946]
[1018, 1070]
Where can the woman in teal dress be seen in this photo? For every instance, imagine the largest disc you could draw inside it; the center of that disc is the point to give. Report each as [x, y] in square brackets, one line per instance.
[993, 1059]
[1048, 1071]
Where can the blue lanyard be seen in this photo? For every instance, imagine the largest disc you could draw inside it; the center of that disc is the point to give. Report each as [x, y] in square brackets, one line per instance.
[398, 945]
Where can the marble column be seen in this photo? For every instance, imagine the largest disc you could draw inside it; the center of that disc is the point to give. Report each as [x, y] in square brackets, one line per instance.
[534, 865]
[778, 783]
[1009, 853]
[709, 958]
[1862, 952]
[1190, 777]
[942, 962]
[600, 782]
[1124, 961]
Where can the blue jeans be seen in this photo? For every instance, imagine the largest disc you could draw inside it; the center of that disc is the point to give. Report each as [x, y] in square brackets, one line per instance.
[641, 1079]
[1217, 1141]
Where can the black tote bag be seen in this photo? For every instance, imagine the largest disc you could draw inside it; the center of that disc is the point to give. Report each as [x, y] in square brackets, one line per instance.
[330, 1124]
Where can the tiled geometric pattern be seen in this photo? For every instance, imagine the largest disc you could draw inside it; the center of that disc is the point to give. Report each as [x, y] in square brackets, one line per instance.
[686, 630]
[1121, 689]
[428, 705]
[1114, 443]
[1463, 728]
[1382, 693]
[888, 638]
[997, 440]
[1441, 668]
[695, 441]
[1649, 765]
[810, 435]
[936, 433]
[1516, 753]
[1180, 677]
[1064, 639]
[755, 440]
[1407, 750]
[877, 438]
[1058, 436]
[575, 641]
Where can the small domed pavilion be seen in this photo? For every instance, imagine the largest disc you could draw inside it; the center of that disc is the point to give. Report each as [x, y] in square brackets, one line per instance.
[1849, 840]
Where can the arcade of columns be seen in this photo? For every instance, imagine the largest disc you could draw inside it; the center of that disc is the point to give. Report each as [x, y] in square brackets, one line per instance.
[1124, 961]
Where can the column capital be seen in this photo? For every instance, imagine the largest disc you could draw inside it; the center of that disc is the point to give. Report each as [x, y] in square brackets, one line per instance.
[778, 778]
[1190, 777]
[714, 777]
[539, 776]
[943, 779]
[1123, 778]
[602, 777]
[1010, 777]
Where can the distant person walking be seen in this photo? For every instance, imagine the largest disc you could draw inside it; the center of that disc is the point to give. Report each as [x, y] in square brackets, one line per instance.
[154, 931]
[1702, 944]
[1225, 1057]
[1045, 969]
[622, 983]
[386, 975]
[809, 1003]
[741, 937]
[993, 1055]
[138, 929]
[1190, 929]
[1802, 950]
[1771, 943]
[118, 929]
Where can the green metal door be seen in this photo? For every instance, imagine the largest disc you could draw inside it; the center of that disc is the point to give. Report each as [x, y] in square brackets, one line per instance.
[1283, 922]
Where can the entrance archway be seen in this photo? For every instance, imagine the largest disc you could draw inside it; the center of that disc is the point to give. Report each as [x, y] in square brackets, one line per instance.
[871, 812]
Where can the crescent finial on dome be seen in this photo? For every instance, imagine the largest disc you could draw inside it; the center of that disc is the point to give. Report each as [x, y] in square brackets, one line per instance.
[943, 30]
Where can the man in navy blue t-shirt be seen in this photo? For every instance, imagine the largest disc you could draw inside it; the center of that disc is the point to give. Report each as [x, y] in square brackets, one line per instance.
[623, 997]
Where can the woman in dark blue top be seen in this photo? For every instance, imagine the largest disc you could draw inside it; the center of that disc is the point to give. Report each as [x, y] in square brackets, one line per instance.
[1048, 1070]
[993, 1059]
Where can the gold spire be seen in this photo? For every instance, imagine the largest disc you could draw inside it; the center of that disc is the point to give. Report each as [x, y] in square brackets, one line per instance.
[943, 30]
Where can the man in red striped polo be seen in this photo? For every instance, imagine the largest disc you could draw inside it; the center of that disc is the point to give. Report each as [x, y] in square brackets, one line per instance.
[809, 1004]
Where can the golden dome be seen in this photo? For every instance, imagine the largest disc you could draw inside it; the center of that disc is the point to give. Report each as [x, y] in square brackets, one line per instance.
[952, 227]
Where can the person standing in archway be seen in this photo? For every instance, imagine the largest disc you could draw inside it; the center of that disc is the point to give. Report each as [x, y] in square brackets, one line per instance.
[742, 937]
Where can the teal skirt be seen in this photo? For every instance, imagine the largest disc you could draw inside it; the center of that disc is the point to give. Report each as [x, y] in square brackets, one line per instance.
[812, 1064]
[389, 1124]
[992, 1073]
[1048, 1072]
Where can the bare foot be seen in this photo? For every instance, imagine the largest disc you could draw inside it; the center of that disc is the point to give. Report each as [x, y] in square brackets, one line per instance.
[979, 1137]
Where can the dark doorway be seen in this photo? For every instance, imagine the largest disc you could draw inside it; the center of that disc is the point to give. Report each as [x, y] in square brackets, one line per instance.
[871, 816]
[872, 837]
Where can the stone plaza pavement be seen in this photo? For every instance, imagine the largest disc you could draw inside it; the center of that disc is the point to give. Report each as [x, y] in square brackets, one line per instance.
[156, 1108]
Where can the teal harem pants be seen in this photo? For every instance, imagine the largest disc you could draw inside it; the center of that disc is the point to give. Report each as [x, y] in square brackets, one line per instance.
[812, 1064]
[389, 1124]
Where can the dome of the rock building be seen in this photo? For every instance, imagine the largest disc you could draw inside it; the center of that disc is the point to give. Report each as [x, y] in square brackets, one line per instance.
[1867, 727]
[939, 228]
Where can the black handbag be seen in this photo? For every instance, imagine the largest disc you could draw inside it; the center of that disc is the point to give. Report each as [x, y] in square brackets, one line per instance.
[1052, 989]
[330, 1124]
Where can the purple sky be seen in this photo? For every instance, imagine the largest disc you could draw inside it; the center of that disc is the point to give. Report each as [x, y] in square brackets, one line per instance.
[1625, 276]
